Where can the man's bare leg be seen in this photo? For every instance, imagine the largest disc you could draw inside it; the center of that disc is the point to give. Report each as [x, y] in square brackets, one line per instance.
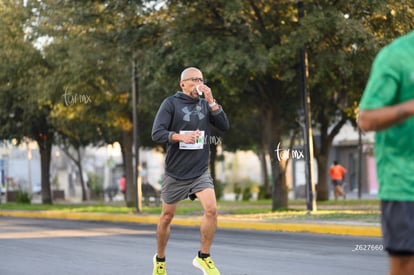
[208, 225]
[336, 191]
[401, 265]
[163, 228]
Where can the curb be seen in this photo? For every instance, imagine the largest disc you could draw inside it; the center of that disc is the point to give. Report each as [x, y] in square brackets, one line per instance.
[333, 229]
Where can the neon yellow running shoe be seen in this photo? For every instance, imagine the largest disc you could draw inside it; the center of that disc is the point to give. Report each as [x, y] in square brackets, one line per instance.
[159, 267]
[206, 265]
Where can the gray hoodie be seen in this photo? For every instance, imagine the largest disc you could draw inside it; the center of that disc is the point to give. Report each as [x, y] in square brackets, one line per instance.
[181, 112]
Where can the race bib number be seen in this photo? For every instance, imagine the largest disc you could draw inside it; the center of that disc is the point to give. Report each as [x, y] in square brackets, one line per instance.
[198, 145]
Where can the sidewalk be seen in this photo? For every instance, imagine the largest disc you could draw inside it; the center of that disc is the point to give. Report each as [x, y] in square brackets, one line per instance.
[240, 222]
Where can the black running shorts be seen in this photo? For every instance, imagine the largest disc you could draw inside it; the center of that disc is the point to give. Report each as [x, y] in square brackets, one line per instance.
[397, 221]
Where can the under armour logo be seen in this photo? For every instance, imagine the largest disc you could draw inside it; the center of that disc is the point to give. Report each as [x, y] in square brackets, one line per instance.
[188, 113]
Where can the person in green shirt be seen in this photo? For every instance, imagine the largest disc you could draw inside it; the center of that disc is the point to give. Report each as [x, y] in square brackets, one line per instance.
[387, 107]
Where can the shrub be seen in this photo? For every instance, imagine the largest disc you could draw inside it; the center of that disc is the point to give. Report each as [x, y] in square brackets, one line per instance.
[219, 189]
[23, 197]
[263, 193]
[247, 193]
[237, 191]
[94, 183]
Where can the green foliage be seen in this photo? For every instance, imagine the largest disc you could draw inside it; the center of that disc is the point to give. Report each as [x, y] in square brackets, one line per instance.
[237, 191]
[247, 193]
[249, 51]
[95, 185]
[219, 189]
[263, 193]
[22, 66]
[244, 188]
[23, 197]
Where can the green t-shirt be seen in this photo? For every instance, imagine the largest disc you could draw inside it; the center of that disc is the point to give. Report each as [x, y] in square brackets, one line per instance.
[391, 82]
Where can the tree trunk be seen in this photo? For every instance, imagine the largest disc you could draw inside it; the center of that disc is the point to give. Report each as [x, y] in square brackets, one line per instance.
[323, 183]
[271, 137]
[45, 149]
[280, 190]
[266, 148]
[322, 154]
[78, 163]
[131, 190]
[263, 163]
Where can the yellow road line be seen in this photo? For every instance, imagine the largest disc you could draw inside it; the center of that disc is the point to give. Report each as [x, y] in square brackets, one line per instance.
[352, 230]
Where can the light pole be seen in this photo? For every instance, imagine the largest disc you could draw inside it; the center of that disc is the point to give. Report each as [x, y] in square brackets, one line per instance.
[308, 137]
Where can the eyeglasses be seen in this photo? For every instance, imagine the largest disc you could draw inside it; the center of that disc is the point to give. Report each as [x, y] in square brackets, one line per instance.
[195, 79]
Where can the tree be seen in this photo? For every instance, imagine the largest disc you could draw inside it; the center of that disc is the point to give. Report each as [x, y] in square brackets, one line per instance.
[234, 43]
[247, 49]
[92, 51]
[341, 39]
[23, 111]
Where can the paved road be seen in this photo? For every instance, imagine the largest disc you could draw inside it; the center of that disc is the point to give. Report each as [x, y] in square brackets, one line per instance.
[50, 247]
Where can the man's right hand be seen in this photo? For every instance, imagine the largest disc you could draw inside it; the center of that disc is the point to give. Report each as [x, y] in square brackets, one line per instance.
[188, 138]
